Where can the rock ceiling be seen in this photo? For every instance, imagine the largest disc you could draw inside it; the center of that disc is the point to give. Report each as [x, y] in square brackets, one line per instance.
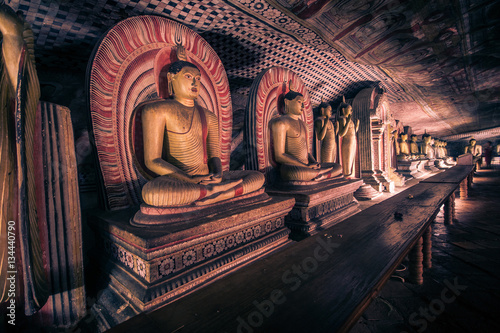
[437, 61]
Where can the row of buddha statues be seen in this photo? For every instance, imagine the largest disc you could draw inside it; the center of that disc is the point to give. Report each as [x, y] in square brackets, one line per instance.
[429, 147]
[181, 145]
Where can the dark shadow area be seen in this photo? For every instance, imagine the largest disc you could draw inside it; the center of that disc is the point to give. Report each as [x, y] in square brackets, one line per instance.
[232, 53]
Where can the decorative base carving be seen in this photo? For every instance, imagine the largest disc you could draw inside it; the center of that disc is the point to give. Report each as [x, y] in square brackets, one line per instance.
[430, 166]
[421, 168]
[399, 180]
[319, 205]
[149, 267]
[149, 216]
[367, 192]
[409, 169]
[441, 163]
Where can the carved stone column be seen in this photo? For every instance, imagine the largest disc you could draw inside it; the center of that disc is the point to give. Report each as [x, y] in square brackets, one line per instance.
[365, 109]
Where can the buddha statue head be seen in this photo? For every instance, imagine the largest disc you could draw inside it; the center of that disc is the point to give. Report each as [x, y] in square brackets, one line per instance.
[344, 109]
[183, 80]
[325, 109]
[404, 137]
[294, 103]
[426, 138]
[472, 142]
[413, 138]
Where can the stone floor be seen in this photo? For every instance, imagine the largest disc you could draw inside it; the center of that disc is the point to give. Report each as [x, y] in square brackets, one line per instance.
[461, 292]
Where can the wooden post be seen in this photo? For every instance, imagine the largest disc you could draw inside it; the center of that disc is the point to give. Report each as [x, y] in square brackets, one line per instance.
[427, 247]
[464, 188]
[416, 266]
[453, 211]
[448, 209]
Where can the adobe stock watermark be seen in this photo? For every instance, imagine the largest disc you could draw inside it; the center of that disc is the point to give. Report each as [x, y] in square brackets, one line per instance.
[437, 306]
[11, 272]
[293, 278]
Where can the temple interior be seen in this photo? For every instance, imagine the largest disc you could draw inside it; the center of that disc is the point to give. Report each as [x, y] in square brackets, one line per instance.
[386, 210]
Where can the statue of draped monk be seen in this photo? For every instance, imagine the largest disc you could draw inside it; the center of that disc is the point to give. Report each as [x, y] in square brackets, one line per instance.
[326, 131]
[182, 146]
[290, 144]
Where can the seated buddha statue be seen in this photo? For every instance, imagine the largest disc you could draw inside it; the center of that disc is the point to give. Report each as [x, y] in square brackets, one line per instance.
[475, 150]
[414, 145]
[427, 148]
[181, 146]
[404, 148]
[290, 144]
[326, 132]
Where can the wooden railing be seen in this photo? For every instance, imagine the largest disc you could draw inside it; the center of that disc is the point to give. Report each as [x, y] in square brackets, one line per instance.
[324, 282]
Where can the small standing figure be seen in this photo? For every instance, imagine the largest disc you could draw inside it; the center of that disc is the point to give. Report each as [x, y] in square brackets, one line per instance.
[326, 132]
[347, 128]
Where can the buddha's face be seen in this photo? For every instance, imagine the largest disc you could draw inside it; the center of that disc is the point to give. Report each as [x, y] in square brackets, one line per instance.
[186, 83]
[295, 106]
[404, 137]
[413, 138]
[472, 142]
[327, 112]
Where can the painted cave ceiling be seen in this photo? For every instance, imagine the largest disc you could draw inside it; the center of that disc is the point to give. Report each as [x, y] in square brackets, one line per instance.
[437, 61]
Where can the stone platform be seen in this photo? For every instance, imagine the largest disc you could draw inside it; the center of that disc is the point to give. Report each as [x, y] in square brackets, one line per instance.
[409, 169]
[318, 205]
[152, 266]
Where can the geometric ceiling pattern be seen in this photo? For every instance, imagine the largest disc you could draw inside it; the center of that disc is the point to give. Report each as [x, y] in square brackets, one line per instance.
[436, 56]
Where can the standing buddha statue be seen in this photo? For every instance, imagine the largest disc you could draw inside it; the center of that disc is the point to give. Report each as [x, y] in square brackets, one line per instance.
[326, 132]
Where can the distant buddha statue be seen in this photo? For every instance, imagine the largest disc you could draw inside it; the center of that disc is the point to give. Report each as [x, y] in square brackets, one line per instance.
[439, 149]
[347, 129]
[427, 148]
[475, 150]
[326, 132]
[404, 148]
[414, 149]
[445, 149]
[290, 145]
[181, 146]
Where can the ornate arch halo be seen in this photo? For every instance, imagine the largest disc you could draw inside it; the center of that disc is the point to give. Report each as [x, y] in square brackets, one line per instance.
[121, 76]
[265, 102]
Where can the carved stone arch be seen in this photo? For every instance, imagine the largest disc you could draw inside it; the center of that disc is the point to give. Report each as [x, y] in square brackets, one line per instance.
[121, 76]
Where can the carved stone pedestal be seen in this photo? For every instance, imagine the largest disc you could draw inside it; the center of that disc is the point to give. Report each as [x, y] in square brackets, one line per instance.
[154, 265]
[409, 169]
[440, 163]
[318, 205]
[421, 168]
[366, 192]
[430, 166]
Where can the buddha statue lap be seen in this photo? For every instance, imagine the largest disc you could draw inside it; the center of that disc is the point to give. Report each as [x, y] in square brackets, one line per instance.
[326, 132]
[181, 146]
[291, 154]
